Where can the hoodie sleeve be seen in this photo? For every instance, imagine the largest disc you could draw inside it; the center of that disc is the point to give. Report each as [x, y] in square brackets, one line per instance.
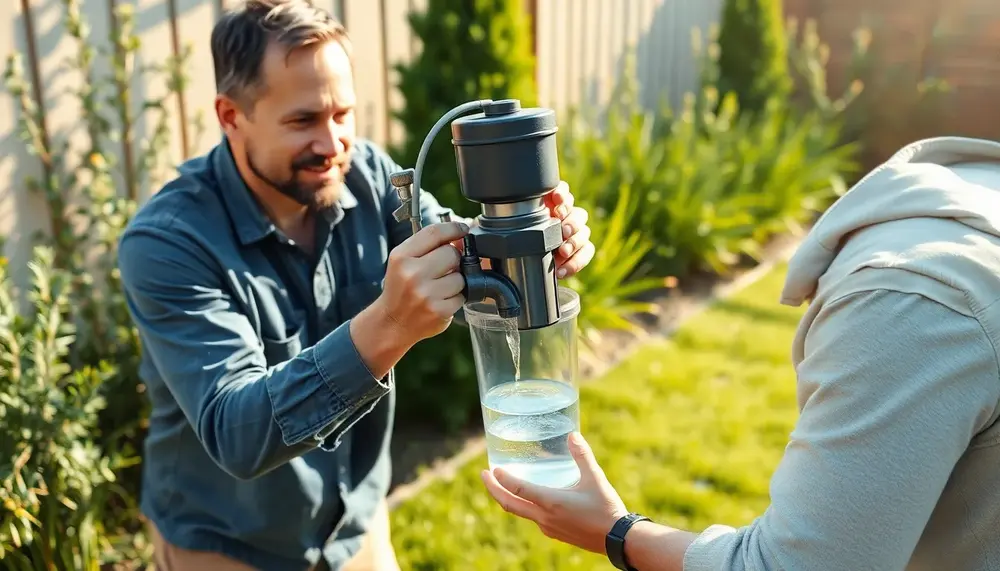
[893, 386]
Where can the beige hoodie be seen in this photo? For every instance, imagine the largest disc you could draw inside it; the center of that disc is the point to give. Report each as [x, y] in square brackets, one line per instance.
[894, 463]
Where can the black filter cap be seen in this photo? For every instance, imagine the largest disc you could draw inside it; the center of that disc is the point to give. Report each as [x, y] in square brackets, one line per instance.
[503, 121]
[506, 153]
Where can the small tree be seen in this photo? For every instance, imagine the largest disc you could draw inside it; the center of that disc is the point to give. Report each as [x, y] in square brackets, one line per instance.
[471, 50]
[72, 409]
[754, 55]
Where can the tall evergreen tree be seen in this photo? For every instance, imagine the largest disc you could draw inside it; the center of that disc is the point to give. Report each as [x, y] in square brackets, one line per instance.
[472, 49]
[754, 56]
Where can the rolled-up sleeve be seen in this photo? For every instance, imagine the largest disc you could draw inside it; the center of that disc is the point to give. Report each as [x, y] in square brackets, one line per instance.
[249, 417]
[893, 386]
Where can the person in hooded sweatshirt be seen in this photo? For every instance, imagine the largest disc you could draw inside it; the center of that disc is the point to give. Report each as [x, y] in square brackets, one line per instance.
[894, 463]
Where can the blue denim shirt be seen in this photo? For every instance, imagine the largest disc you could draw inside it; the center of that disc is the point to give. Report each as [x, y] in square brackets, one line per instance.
[269, 437]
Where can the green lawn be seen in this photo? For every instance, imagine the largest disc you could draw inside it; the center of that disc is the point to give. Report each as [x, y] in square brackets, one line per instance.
[688, 430]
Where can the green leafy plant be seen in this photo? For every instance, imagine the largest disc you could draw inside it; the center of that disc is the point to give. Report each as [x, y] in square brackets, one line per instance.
[714, 183]
[470, 50]
[753, 61]
[609, 285]
[808, 58]
[56, 479]
[91, 194]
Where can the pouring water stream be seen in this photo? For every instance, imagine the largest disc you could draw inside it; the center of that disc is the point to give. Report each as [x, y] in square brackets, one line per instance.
[514, 343]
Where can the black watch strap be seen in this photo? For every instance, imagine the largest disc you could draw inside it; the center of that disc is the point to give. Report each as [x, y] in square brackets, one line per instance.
[614, 543]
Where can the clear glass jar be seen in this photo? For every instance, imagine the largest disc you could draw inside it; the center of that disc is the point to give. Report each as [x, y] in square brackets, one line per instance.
[530, 405]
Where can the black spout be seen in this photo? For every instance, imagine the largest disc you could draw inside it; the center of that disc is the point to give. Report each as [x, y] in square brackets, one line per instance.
[481, 284]
[496, 286]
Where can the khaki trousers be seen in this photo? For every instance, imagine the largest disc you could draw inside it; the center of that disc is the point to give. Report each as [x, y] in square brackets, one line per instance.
[376, 552]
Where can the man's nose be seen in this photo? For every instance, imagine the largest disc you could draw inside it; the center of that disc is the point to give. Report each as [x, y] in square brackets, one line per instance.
[330, 142]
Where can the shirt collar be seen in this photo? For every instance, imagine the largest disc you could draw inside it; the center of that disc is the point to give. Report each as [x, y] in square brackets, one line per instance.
[247, 215]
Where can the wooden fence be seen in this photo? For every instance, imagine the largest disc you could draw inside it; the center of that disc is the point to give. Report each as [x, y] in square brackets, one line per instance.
[956, 42]
[579, 46]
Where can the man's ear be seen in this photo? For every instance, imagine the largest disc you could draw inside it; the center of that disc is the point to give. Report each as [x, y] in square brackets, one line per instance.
[227, 111]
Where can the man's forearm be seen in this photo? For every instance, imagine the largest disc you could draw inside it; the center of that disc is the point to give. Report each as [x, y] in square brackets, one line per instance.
[283, 411]
[654, 547]
[379, 339]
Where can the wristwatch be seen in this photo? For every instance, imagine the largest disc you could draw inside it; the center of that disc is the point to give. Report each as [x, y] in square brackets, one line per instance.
[614, 543]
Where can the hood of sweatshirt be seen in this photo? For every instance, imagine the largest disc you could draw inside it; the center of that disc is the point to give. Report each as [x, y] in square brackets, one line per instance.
[951, 178]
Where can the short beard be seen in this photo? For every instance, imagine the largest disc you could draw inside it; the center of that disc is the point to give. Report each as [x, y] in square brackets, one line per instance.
[316, 201]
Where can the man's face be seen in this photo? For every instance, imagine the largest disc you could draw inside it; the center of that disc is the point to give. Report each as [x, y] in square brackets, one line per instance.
[299, 136]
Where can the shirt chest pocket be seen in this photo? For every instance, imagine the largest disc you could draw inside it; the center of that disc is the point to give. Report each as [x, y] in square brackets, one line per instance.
[282, 347]
[285, 331]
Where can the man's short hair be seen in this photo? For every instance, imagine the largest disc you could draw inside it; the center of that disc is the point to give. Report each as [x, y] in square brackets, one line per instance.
[241, 36]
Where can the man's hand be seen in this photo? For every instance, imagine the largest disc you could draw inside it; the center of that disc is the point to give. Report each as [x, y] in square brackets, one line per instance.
[423, 288]
[577, 250]
[421, 294]
[581, 516]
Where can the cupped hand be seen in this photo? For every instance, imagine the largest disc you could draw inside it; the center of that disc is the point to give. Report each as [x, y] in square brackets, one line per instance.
[581, 516]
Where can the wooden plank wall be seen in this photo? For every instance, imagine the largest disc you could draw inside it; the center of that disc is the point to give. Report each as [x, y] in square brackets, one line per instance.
[954, 40]
[579, 46]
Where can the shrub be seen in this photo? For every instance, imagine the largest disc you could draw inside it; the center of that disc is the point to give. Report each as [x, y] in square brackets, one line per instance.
[609, 286]
[71, 377]
[57, 479]
[714, 185]
[753, 60]
[471, 50]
